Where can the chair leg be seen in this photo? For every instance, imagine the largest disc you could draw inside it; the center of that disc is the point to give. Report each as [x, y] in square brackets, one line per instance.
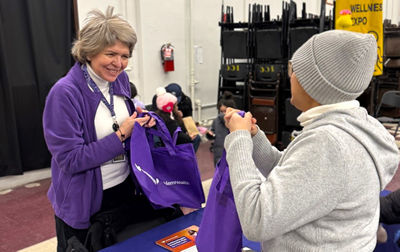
[397, 128]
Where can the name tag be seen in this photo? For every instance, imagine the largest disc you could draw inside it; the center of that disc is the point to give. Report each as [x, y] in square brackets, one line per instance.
[119, 159]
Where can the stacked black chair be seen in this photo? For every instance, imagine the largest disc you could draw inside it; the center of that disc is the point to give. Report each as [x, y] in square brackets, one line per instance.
[299, 30]
[235, 60]
[254, 58]
[265, 80]
[390, 78]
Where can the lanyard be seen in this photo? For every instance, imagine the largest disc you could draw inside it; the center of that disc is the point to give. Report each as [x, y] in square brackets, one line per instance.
[109, 105]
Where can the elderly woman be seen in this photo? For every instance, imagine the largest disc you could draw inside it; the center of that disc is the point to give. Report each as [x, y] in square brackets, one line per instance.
[87, 118]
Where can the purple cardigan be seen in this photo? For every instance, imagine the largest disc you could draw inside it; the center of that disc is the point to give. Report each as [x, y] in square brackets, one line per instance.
[76, 190]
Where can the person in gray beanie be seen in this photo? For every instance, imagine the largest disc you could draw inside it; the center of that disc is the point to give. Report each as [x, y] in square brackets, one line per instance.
[322, 192]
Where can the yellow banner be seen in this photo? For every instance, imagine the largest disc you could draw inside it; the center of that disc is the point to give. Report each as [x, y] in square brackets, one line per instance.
[366, 17]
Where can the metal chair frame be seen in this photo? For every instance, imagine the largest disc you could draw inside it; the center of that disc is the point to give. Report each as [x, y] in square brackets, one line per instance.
[389, 98]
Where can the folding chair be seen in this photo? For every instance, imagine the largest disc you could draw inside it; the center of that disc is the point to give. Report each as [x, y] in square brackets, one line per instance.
[389, 99]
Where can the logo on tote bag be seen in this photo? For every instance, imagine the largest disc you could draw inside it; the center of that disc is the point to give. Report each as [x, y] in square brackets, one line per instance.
[155, 180]
[168, 183]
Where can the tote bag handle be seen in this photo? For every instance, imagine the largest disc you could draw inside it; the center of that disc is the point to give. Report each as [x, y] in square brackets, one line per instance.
[161, 132]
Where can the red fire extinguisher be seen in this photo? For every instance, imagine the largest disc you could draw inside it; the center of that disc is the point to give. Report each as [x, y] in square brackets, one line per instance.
[167, 57]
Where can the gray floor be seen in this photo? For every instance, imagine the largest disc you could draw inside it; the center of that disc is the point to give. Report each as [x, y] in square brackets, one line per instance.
[9, 182]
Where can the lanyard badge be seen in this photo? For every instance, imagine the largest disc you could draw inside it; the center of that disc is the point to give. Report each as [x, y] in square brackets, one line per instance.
[109, 105]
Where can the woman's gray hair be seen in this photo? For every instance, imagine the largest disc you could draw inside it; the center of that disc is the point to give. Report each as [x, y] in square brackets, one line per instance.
[101, 31]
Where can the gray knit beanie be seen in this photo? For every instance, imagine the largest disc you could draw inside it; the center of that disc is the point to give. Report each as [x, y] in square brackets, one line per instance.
[336, 65]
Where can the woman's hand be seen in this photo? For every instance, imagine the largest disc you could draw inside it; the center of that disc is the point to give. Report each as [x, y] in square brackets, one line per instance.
[193, 136]
[234, 121]
[381, 234]
[180, 113]
[254, 128]
[126, 128]
[148, 123]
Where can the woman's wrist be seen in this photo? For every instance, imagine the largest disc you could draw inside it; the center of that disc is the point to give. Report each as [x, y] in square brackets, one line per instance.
[120, 135]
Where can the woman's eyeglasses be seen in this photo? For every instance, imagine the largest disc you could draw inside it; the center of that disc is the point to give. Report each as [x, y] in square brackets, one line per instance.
[290, 68]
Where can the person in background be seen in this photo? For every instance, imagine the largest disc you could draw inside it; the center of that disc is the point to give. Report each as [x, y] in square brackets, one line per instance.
[184, 101]
[167, 108]
[185, 106]
[86, 121]
[322, 192]
[390, 208]
[389, 214]
[218, 128]
[135, 100]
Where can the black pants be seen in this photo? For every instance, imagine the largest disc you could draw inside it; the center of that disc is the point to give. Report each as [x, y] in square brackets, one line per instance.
[115, 197]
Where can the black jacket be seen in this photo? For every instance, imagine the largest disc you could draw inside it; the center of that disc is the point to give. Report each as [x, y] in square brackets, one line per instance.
[183, 137]
[172, 125]
[390, 208]
[220, 131]
[185, 105]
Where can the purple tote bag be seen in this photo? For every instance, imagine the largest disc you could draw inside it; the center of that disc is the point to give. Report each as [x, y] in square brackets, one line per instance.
[220, 228]
[167, 175]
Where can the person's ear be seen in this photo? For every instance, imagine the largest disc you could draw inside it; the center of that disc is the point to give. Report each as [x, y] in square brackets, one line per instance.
[88, 58]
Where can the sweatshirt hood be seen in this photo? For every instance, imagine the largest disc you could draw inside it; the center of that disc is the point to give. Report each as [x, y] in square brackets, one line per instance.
[370, 133]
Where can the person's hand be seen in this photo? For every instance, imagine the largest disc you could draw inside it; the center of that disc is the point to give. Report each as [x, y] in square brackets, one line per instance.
[187, 210]
[254, 128]
[146, 121]
[193, 136]
[210, 135]
[125, 129]
[140, 110]
[209, 132]
[180, 113]
[234, 121]
[149, 123]
[381, 234]
[230, 111]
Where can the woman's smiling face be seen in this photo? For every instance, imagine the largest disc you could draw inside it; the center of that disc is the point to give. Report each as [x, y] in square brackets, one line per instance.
[110, 62]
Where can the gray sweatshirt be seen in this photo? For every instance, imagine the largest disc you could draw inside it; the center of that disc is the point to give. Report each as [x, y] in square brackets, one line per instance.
[322, 192]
